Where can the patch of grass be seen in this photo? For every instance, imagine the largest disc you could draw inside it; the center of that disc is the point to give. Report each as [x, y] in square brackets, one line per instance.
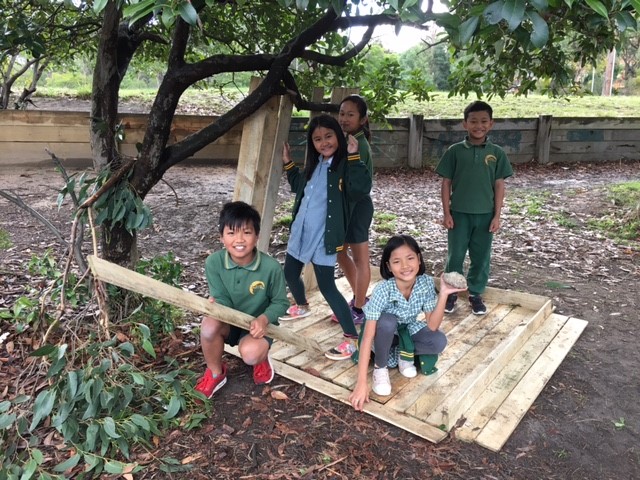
[533, 105]
[385, 222]
[530, 204]
[5, 241]
[565, 220]
[382, 240]
[284, 221]
[561, 454]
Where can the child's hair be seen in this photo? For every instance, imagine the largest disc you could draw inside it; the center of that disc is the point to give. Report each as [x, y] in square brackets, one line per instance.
[325, 121]
[478, 106]
[395, 242]
[236, 215]
[361, 105]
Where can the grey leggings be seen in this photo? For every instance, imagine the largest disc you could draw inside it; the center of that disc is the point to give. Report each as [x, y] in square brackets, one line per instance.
[425, 341]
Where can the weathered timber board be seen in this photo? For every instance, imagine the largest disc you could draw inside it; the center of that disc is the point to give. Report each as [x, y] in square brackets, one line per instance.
[136, 282]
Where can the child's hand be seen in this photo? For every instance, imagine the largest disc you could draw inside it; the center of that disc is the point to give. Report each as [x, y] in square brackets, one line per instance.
[446, 289]
[359, 396]
[258, 328]
[286, 153]
[495, 225]
[447, 221]
[352, 144]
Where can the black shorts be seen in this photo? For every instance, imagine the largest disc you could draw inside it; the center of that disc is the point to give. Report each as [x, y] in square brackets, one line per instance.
[236, 334]
[360, 222]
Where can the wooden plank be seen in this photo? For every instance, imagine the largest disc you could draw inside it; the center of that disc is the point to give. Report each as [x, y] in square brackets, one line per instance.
[477, 416]
[136, 282]
[465, 393]
[464, 337]
[373, 408]
[268, 204]
[468, 391]
[504, 422]
[543, 140]
[414, 150]
[613, 148]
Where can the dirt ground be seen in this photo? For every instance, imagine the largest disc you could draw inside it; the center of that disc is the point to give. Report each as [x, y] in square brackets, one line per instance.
[584, 425]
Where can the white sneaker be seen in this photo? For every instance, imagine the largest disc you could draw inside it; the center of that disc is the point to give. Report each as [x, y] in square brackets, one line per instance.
[381, 382]
[407, 368]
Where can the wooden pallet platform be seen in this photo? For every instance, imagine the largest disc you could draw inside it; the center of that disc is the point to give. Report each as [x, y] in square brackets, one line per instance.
[491, 372]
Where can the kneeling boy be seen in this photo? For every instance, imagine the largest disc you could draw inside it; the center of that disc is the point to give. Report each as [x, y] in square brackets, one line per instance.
[245, 279]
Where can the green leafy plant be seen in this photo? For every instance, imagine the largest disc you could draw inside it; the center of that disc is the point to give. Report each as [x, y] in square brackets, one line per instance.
[5, 241]
[101, 404]
[619, 424]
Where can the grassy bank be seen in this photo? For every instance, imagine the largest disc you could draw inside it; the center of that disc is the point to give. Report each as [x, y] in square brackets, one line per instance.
[440, 107]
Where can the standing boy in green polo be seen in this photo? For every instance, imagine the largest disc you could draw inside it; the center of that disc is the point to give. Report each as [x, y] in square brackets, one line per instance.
[245, 279]
[473, 173]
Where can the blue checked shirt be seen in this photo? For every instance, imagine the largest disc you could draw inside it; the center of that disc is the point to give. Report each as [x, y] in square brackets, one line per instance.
[387, 298]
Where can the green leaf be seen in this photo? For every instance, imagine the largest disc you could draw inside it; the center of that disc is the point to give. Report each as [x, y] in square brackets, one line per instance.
[43, 351]
[540, 33]
[113, 466]
[72, 383]
[29, 469]
[467, 29]
[172, 409]
[540, 5]
[188, 13]
[138, 378]
[42, 407]
[110, 427]
[4, 406]
[513, 13]
[148, 347]
[141, 421]
[493, 13]
[636, 5]
[91, 461]
[37, 455]
[67, 464]
[6, 420]
[98, 5]
[92, 436]
[598, 7]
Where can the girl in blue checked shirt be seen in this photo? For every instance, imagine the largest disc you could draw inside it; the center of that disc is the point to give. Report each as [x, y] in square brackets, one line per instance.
[393, 308]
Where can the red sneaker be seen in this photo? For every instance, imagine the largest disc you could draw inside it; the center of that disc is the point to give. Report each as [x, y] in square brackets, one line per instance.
[263, 372]
[208, 384]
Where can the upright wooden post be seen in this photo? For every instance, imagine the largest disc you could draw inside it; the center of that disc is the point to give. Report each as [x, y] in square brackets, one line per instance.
[416, 129]
[260, 159]
[543, 139]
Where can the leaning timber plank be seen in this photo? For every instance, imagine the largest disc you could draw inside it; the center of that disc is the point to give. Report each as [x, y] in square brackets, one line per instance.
[504, 422]
[469, 332]
[467, 392]
[489, 402]
[412, 425]
[136, 282]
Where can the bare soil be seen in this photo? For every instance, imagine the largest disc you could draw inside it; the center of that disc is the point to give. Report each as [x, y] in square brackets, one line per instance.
[545, 247]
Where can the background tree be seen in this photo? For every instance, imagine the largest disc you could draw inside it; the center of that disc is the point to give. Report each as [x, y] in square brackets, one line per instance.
[495, 45]
[35, 34]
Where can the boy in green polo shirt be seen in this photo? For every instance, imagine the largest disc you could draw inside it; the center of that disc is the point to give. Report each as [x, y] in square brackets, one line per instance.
[473, 173]
[245, 279]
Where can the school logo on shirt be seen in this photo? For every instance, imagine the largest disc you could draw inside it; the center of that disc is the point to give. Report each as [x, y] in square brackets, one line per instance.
[489, 158]
[257, 285]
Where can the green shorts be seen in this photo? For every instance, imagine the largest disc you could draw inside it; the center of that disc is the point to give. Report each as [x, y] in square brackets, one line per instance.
[236, 334]
[360, 221]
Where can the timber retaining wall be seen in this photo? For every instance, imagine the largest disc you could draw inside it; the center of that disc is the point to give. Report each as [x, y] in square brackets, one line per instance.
[25, 137]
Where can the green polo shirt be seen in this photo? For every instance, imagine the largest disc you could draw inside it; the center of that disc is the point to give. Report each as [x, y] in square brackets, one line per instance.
[473, 171]
[254, 289]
